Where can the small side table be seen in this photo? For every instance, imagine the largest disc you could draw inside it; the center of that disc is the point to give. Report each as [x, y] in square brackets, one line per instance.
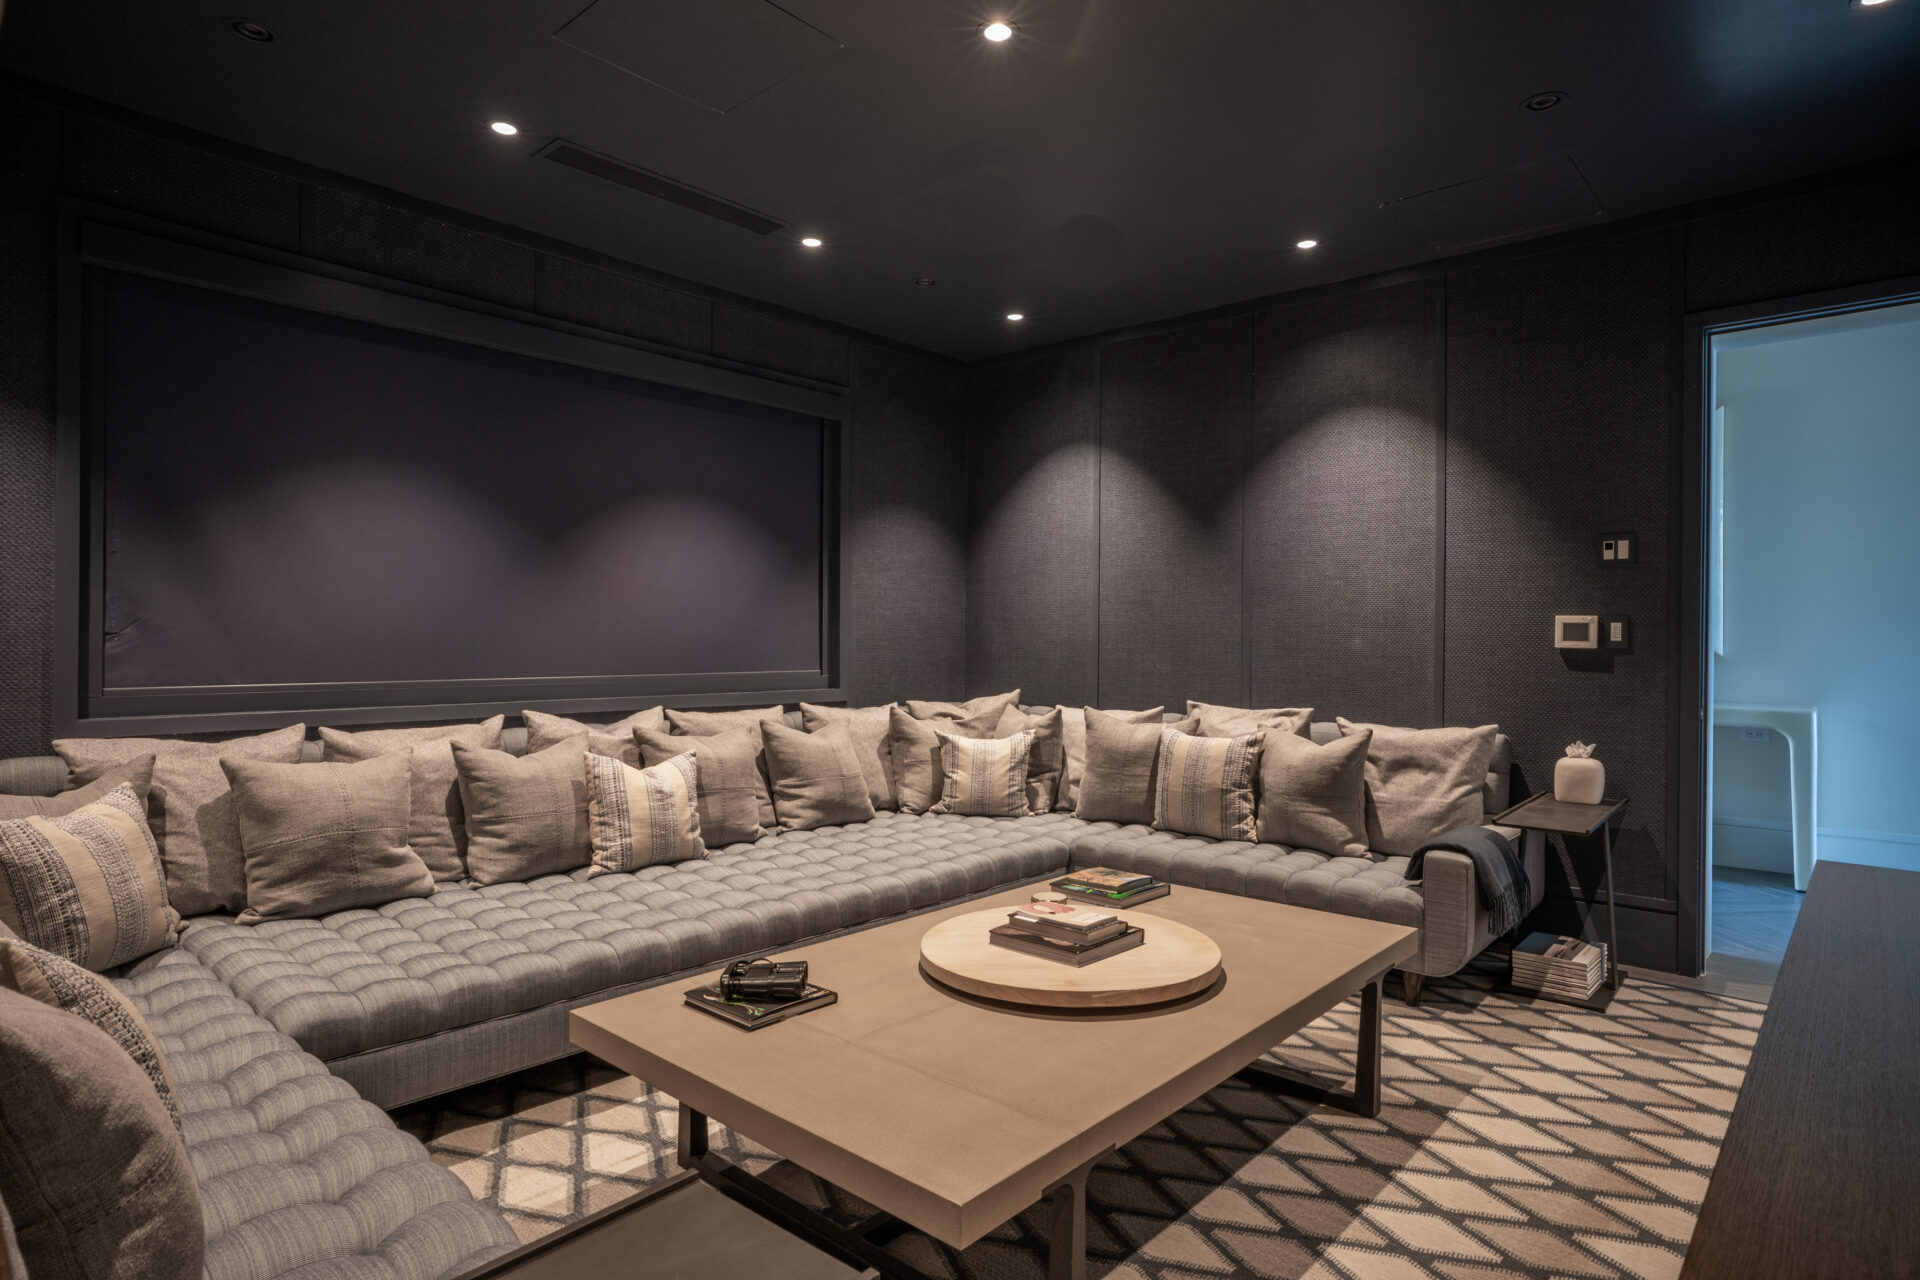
[1544, 813]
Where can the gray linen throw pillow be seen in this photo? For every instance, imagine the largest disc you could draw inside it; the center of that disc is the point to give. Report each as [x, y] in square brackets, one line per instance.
[83, 791]
[1216, 721]
[732, 794]
[1121, 771]
[190, 807]
[614, 741]
[1073, 737]
[913, 746]
[93, 1172]
[706, 724]
[987, 708]
[1313, 796]
[436, 824]
[526, 815]
[1046, 757]
[870, 727]
[1421, 782]
[817, 778]
[320, 838]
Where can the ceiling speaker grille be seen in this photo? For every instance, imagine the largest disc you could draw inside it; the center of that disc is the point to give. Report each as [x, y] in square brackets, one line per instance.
[652, 184]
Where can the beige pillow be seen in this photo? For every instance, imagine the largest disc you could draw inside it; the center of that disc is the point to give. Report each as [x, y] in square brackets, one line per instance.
[58, 983]
[642, 817]
[985, 777]
[913, 748]
[1313, 796]
[704, 724]
[987, 707]
[1121, 768]
[526, 815]
[87, 886]
[614, 741]
[92, 1166]
[732, 794]
[81, 792]
[321, 838]
[870, 727]
[817, 778]
[1046, 759]
[1205, 785]
[1233, 722]
[436, 825]
[1421, 782]
[190, 807]
[1073, 737]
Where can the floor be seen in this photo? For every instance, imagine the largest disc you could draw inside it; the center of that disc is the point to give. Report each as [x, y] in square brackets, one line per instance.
[1520, 1139]
[1753, 913]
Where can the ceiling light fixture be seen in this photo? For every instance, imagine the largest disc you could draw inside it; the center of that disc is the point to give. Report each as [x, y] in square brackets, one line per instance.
[252, 31]
[1867, 4]
[925, 282]
[1544, 101]
[504, 129]
[1306, 244]
[998, 32]
[1016, 316]
[812, 242]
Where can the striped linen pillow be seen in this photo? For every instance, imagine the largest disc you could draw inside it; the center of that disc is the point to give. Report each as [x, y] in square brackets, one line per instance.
[985, 777]
[1205, 786]
[88, 886]
[642, 817]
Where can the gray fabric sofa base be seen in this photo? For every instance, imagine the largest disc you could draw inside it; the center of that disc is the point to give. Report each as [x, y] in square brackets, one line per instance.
[298, 1175]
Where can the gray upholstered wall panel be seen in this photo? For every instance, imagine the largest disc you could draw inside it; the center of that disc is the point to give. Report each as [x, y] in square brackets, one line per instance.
[29, 175]
[1562, 386]
[137, 171]
[622, 303]
[1847, 235]
[1173, 425]
[1341, 505]
[756, 338]
[358, 232]
[908, 535]
[1033, 431]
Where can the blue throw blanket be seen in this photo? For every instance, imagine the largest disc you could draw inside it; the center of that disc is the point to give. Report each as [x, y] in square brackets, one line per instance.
[1498, 871]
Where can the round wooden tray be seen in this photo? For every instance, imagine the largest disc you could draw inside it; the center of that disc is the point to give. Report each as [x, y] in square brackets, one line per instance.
[1174, 961]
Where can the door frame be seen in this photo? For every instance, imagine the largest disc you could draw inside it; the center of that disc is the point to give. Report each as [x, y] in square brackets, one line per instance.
[1693, 711]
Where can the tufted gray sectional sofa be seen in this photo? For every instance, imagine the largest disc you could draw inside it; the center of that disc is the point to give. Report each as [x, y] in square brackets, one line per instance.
[289, 1036]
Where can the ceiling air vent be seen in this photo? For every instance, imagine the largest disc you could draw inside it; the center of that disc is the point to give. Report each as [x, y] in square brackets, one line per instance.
[652, 184]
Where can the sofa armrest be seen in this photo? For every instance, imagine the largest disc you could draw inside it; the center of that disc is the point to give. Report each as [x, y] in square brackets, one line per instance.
[1456, 927]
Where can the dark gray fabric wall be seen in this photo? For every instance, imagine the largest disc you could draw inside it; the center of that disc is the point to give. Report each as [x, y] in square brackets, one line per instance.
[907, 540]
[1391, 490]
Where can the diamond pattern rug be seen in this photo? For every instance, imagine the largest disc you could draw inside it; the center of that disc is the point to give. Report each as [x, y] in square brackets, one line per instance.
[1516, 1138]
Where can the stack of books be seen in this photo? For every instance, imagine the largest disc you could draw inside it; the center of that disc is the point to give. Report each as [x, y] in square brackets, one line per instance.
[1111, 888]
[1567, 968]
[754, 1014]
[1066, 933]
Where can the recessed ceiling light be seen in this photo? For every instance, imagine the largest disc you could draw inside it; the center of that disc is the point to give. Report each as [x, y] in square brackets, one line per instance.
[998, 32]
[504, 129]
[1871, 3]
[1544, 101]
[1306, 244]
[252, 31]
[925, 282]
[1016, 316]
[812, 242]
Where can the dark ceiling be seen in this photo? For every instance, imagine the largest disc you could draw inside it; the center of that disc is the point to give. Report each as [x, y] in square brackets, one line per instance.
[1117, 161]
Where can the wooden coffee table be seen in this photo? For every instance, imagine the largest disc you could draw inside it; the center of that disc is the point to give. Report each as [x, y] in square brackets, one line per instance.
[952, 1113]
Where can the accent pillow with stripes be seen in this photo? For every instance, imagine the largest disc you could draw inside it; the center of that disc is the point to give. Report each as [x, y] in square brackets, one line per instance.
[1205, 785]
[985, 777]
[642, 817]
[87, 886]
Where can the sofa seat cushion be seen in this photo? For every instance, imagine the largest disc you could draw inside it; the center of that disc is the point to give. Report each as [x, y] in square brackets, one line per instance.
[364, 979]
[297, 1173]
[1373, 887]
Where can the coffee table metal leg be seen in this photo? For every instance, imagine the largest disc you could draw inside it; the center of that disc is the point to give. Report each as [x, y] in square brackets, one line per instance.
[1364, 1097]
[693, 1136]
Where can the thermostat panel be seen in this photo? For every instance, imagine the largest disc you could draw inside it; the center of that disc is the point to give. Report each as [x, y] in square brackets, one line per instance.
[1576, 631]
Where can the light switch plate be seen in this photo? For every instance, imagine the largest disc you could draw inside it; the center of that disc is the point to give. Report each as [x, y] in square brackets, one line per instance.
[1619, 548]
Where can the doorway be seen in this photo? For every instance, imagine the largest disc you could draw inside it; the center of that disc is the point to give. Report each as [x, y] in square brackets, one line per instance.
[1810, 609]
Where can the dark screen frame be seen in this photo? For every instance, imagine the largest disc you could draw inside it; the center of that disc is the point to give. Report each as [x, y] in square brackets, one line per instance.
[94, 240]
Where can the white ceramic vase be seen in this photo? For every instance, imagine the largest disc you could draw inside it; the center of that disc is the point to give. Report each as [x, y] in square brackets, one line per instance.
[1579, 780]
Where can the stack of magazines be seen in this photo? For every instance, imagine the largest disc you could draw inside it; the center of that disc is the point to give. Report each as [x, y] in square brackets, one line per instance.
[754, 1014]
[1066, 933]
[1568, 968]
[1111, 888]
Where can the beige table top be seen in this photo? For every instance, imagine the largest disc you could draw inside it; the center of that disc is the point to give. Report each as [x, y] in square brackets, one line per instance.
[955, 1113]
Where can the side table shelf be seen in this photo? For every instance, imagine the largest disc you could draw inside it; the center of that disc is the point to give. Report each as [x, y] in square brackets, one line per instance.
[1544, 813]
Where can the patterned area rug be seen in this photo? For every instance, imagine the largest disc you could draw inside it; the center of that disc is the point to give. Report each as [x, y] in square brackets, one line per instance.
[1517, 1139]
